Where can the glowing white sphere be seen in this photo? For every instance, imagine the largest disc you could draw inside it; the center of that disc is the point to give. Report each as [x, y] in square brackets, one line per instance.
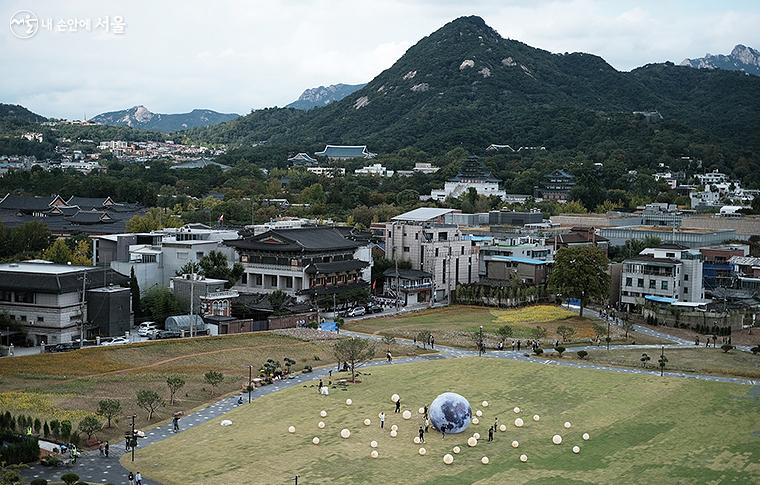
[576, 449]
[557, 439]
[394, 433]
[321, 425]
[315, 440]
[367, 422]
[374, 454]
[476, 436]
[515, 444]
[516, 410]
[523, 458]
[421, 410]
[567, 424]
[373, 444]
[456, 450]
[502, 427]
[484, 404]
[536, 417]
[395, 398]
[323, 413]
[475, 421]
[519, 422]
[586, 437]
[479, 413]
[406, 414]
[226, 422]
[484, 460]
[291, 429]
[345, 433]
[423, 451]
[416, 440]
[472, 441]
[448, 459]
[349, 402]
[394, 427]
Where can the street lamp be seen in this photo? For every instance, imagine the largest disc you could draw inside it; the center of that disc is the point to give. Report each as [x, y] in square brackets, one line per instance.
[250, 381]
[480, 342]
[608, 334]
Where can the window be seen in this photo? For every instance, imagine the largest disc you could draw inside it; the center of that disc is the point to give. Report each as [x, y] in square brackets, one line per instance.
[23, 318]
[686, 277]
[436, 252]
[258, 280]
[40, 319]
[629, 281]
[664, 285]
[462, 253]
[406, 249]
[640, 283]
[652, 284]
[685, 290]
[5, 295]
[24, 297]
[198, 254]
[244, 278]
[416, 236]
[670, 255]
[181, 254]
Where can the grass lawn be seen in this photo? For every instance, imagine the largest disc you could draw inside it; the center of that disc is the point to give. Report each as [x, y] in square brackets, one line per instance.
[69, 385]
[453, 325]
[643, 430]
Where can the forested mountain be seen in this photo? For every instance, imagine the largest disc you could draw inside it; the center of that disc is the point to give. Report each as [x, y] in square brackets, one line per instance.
[323, 95]
[465, 85]
[17, 113]
[141, 117]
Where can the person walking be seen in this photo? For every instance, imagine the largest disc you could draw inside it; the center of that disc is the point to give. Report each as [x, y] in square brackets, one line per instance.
[425, 411]
[106, 448]
[518, 346]
[102, 451]
[398, 406]
[422, 434]
[175, 423]
[138, 478]
[382, 420]
[319, 389]
[432, 342]
[389, 356]
[131, 479]
[496, 423]
[427, 425]
[490, 433]
[443, 432]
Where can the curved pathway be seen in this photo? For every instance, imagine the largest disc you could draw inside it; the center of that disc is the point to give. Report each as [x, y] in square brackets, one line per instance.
[93, 468]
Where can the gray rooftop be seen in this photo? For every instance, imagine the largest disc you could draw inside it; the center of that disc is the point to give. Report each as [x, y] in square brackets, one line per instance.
[422, 214]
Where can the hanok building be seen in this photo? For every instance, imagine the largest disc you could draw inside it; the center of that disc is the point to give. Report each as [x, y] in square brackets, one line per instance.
[556, 185]
[302, 160]
[345, 152]
[308, 263]
[473, 174]
[579, 236]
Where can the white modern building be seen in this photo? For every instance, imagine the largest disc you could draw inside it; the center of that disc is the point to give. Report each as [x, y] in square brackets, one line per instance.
[375, 170]
[328, 172]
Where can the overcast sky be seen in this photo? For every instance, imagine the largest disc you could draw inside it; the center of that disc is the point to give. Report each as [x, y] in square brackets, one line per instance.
[235, 55]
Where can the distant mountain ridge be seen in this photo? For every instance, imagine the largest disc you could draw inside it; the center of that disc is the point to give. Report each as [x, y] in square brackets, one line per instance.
[142, 118]
[16, 113]
[323, 95]
[742, 58]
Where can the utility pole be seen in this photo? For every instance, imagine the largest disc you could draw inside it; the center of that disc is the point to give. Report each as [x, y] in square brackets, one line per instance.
[250, 382]
[395, 260]
[192, 301]
[133, 438]
[81, 319]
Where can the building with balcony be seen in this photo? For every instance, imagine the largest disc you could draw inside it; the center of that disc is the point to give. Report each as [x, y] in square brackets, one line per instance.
[410, 286]
[718, 272]
[307, 263]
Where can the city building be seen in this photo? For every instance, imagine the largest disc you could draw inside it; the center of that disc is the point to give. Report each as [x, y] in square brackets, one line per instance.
[507, 268]
[408, 286]
[307, 263]
[191, 289]
[521, 248]
[376, 170]
[46, 301]
[419, 167]
[690, 237]
[718, 272]
[714, 177]
[514, 218]
[579, 236]
[556, 185]
[421, 237]
[345, 152]
[328, 172]
[473, 174]
[661, 214]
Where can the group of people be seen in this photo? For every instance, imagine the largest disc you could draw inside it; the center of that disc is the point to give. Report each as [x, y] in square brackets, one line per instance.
[104, 449]
[430, 341]
[714, 338]
[134, 479]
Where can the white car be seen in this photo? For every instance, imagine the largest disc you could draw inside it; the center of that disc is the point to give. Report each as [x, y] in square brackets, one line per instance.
[146, 328]
[357, 311]
[116, 341]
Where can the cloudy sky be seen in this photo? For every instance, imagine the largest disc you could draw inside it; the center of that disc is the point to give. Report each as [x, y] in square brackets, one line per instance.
[235, 55]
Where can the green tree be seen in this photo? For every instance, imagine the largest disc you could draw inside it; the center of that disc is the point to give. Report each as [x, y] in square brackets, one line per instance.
[580, 272]
[160, 303]
[134, 289]
[175, 383]
[565, 332]
[90, 425]
[58, 252]
[277, 300]
[82, 253]
[109, 409]
[70, 478]
[214, 378]
[355, 351]
[539, 333]
[153, 220]
[504, 332]
[150, 401]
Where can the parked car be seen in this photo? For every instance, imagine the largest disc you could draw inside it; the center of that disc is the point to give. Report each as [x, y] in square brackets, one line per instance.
[162, 334]
[146, 328]
[374, 309]
[65, 347]
[357, 311]
[116, 341]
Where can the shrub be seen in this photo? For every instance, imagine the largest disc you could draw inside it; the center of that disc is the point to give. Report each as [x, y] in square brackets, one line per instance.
[39, 481]
[65, 429]
[560, 350]
[582, 354]
[727, 348]
[70, 478]
[756, 349]
[538, 351]
[89, 425]
[18, 449]
[55, 427]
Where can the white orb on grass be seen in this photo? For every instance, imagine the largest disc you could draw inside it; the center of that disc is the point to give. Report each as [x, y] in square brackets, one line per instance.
[456, 449]
[423, 451]
[394, 427]
[226, 422]
[519, 422]
[416, 440]
[448, 459]
[567, 424]
[479, 413]
[395, 398]
[472, 441]
[345, 433]
[557, 439]
[476, 436]
[373, 444]
[502, 427]
[367, 422]
[421, 410]
[291, 429]
[323, 413]
[516, 410]
[374, 454]
[321, 425]
[484, 460]
[536, 417]
[523, 458]
[406, 414]
[315, 440]
[475, 421]
[349, 402]
[394, 433]
[586, 437]
[576, 449]
[515, 444]
[484, 404]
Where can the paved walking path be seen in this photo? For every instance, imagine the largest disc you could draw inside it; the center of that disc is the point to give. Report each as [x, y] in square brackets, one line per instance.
[93, 468]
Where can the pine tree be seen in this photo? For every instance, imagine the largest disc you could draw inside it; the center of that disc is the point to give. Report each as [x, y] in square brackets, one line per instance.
[135, 290]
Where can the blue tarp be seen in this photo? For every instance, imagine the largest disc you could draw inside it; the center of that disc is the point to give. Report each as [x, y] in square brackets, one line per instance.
[328, 326]
[659, 299]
